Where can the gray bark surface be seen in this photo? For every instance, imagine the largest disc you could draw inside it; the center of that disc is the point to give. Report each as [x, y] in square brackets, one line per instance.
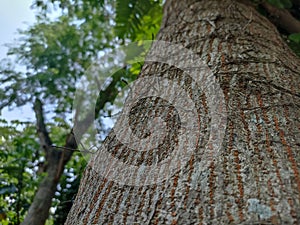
[255, 177]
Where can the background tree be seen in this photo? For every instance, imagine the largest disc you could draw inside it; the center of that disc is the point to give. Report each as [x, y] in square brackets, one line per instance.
[254, 178]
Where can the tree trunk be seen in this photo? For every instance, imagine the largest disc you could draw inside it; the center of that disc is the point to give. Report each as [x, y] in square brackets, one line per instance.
[253, 178]
[55, 162]
[38, 211]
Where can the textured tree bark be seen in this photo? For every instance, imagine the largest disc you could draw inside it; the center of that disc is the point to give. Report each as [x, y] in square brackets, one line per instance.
[255, 177]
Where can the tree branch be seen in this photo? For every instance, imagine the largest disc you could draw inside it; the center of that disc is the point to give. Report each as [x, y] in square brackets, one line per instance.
[57, 157]
[283, 18]
[43, 134]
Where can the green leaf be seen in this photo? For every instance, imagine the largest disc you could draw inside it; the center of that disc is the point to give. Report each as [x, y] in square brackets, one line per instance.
[283, 4]
[11, 170]
[295, 37]
[130, 15]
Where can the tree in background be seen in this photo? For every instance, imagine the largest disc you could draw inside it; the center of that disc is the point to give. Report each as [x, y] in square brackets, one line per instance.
[254, 177]
[40, 167]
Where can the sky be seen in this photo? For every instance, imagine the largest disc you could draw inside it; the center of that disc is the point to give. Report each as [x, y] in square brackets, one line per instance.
[14, 14]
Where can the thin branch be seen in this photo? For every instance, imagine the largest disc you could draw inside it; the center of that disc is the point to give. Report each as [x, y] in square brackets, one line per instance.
[283, 18]
[71, 149]
[43, 134]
